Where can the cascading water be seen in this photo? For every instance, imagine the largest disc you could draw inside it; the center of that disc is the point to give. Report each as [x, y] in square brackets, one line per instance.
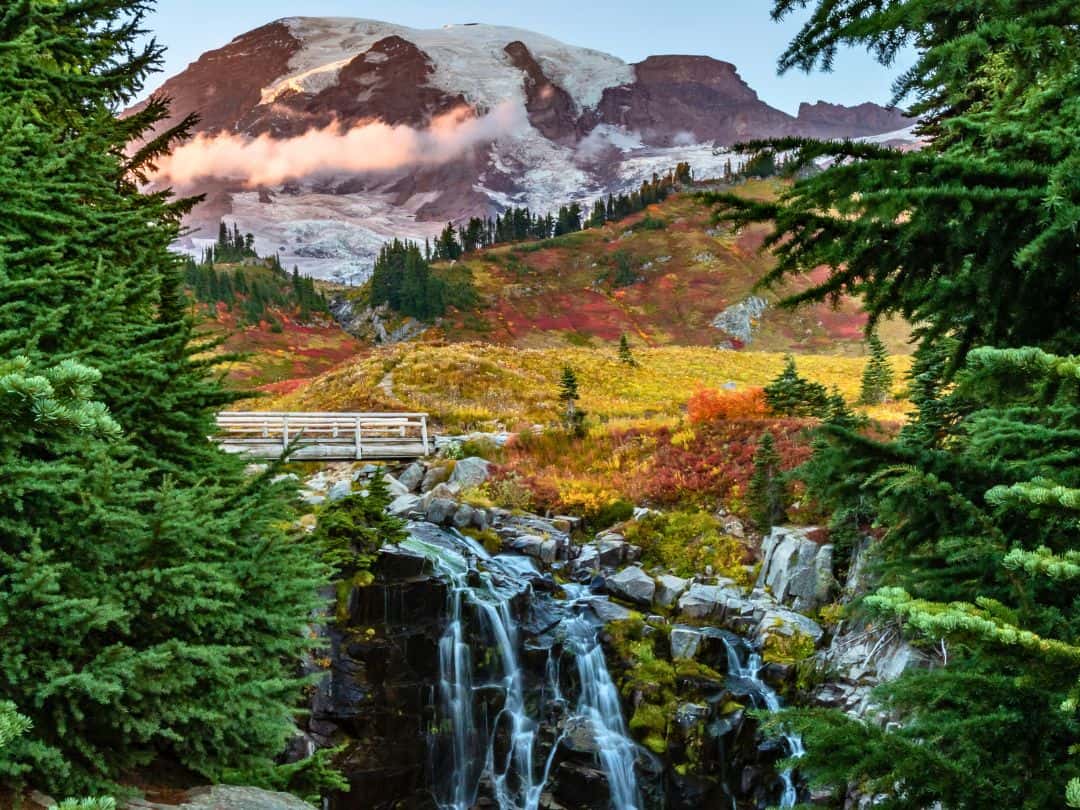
[750, 671]
[503, 749]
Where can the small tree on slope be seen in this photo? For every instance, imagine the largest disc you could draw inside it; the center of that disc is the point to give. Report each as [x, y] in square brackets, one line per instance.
[877, 378]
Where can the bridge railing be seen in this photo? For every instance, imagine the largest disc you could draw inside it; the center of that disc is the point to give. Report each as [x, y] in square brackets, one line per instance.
[324, 435]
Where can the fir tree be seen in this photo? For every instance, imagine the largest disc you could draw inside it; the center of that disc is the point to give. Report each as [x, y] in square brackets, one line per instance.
[145, 575]
[626, 357]
[573, 417]
[767, 493]
[791, 395]
[877, 378]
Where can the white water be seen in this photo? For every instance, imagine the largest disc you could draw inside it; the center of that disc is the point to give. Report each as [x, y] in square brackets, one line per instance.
[751, 671]
[516, 776]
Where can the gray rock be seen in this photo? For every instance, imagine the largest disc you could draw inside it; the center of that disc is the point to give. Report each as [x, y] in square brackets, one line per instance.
[434, 476]
[228, 797]
[464, 516]
[795, 569]
[701, 601]
[340, 490]
[632, 584]
[608, 611]
[684, 642]
[470, 472]
[779, 621]
[669, 588]
[549, 551]
[404, 504]
[441, 510]
[396, 487]
[528, 544]
[413, 476]
[739, 319]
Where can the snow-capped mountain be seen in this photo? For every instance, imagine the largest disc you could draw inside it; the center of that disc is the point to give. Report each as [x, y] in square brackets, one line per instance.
[327, 136]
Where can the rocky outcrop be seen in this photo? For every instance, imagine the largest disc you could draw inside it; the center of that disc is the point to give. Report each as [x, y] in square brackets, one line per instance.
[470, 472]
[551, 109]
[739, 320]
[796, 569]
[824, 120]
[633, 585]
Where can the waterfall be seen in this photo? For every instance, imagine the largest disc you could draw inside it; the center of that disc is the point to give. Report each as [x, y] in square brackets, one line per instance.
[504, 749]
[751, 672]
[599, 704]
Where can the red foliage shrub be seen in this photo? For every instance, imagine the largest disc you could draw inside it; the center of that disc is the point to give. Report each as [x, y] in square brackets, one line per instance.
[708, 404]
[715, 467]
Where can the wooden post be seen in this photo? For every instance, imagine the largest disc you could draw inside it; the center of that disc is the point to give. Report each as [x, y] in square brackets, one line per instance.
[284, 433]
[423, 432]
[359, 446]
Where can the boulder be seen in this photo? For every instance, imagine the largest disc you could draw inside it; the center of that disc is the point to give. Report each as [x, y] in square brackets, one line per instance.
[795, 569]
[227, 797]
[470, 472]
[404, 504]
[608, 611]
[339, 491]
[434, 476]
[395, 486]
[684, 642]
[464, 517]
[413, 476]
[669, 588]
[778, 621]
[701, 601]
[440, 511]
[633, 585]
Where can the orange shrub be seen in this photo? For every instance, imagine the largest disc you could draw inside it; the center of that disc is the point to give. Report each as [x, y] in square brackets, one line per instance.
[708, 405]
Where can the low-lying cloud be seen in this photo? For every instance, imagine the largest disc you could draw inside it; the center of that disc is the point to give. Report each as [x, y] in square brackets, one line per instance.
[363, 148]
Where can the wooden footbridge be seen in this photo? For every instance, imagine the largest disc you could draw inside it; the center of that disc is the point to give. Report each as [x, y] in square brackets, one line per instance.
[324, 436]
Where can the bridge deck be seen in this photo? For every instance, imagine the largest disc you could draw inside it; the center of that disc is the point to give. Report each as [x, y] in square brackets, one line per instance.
[324, 436]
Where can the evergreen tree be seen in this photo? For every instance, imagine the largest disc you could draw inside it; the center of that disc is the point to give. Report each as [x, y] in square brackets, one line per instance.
[791, 395]
[766, 495]
[877, 378]
[573, 417]
[151, 604]
[626, 357]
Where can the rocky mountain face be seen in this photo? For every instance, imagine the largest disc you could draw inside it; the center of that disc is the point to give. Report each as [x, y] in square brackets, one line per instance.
[585, 123]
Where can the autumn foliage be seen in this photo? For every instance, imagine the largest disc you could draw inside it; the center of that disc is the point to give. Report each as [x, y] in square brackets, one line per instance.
[709, 405]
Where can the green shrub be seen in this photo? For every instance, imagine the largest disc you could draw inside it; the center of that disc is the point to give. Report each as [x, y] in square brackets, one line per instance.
[686, 542]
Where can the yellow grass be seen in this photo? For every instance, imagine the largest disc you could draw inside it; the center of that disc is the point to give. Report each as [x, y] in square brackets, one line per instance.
[484, 386]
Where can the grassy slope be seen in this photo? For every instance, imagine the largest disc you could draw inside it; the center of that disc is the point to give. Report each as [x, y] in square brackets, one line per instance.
[275, 361]
[546, 295]
[478, 385]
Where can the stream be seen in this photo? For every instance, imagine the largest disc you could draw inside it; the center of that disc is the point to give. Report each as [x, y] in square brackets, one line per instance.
[501, 721]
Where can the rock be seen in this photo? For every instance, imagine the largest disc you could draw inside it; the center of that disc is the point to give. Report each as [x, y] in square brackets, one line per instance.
[797, 570]
[689, 713]
[441, 510]
[435, 475]
[632, 584]
[528, 544]
[470, 472]
[669, 588]
[701, 601]
[395, 486]
[413, 476]
[778, 621]
[549, 551]
[733, 526]
[684, 642]
[444, 490]
[567, 523]
[607, 611]
[404, 504]
[738, 320]
[340, 490]
[464, 517]
[228, 797]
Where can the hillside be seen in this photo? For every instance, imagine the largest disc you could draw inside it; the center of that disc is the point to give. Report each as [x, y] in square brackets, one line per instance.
[661, 277]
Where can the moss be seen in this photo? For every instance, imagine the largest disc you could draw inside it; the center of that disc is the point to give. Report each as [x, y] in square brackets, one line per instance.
[488, 538]
[780, 649]
[687, 542]
[696, 670]
[655, 743]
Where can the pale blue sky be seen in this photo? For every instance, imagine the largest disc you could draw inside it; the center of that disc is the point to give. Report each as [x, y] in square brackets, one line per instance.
[739, 32]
